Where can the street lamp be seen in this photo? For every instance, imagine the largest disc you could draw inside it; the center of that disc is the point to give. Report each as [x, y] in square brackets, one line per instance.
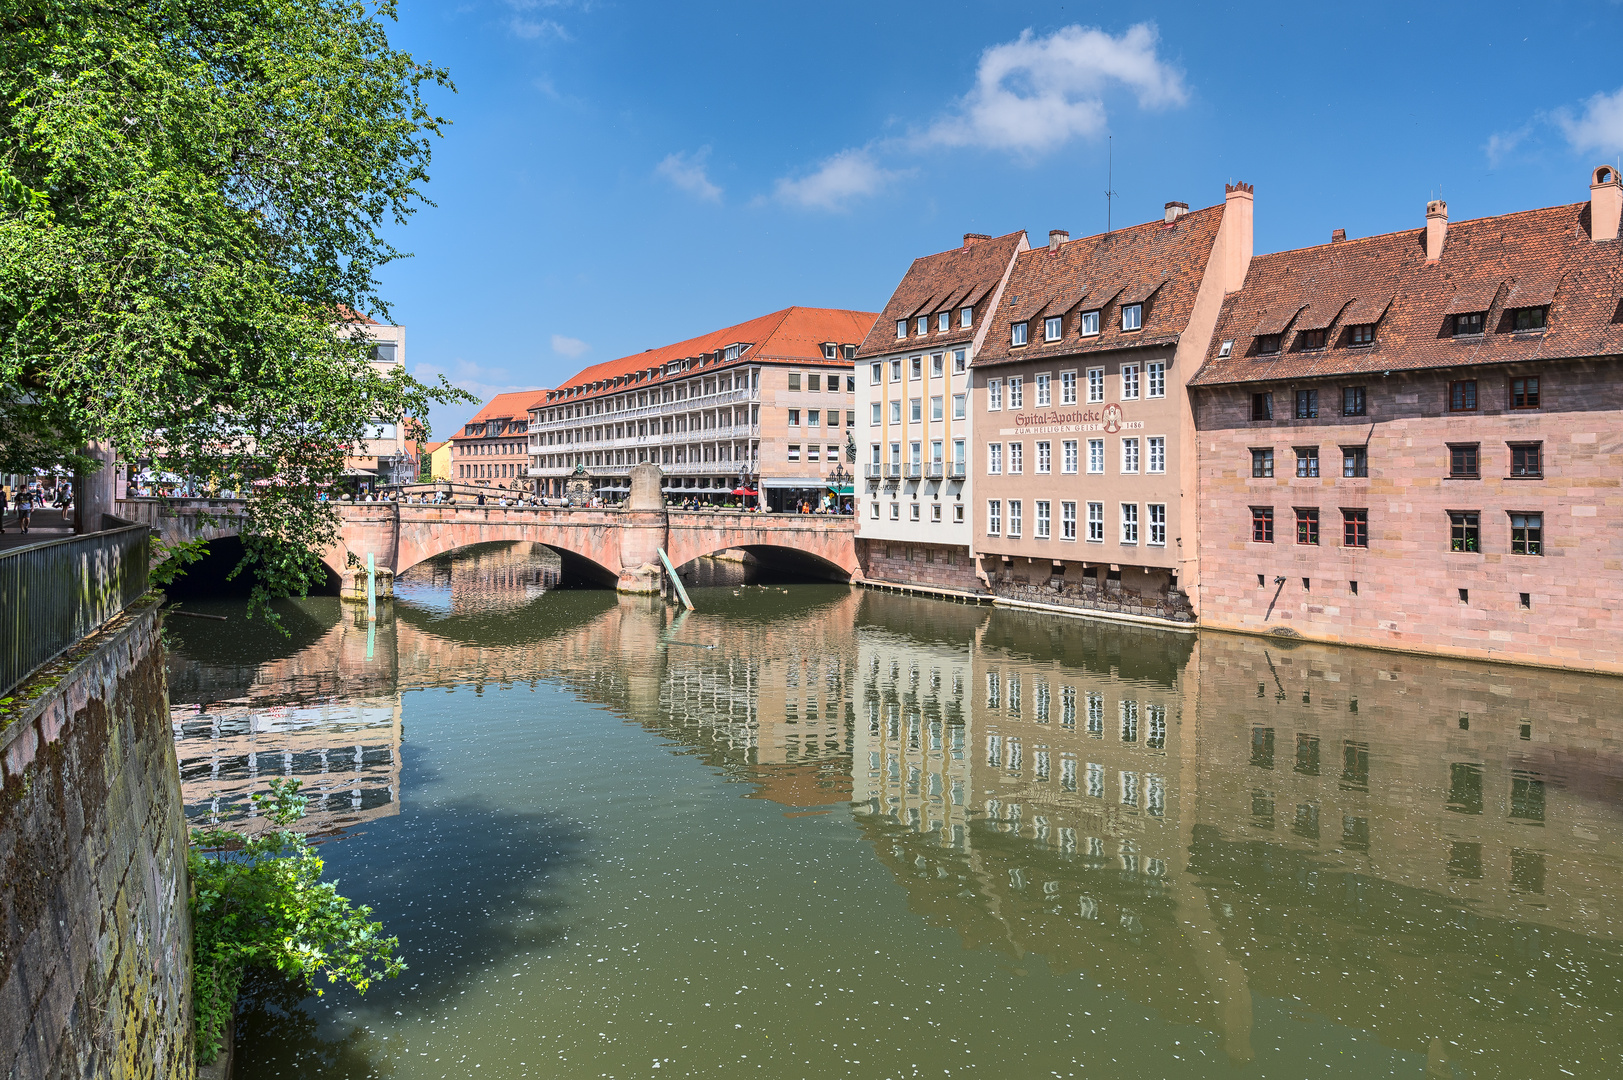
[839, 480]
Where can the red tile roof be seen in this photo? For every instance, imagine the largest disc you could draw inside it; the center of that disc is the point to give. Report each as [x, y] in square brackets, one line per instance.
[1159, 264]
[945, 281]
[511, 406]
[795, 335]
[1531, 258]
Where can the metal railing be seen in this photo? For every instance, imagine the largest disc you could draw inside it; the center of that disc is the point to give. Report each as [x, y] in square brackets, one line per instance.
[54, 594]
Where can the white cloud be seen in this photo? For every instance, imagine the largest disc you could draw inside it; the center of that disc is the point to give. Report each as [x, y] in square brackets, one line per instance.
[1501, 144]
[847, 175]
[1034, 93]
[569, 346]
[687, 173]
[1597, 127]
[537, 28]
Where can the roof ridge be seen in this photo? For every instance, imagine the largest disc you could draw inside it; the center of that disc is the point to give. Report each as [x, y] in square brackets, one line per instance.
[1420, 229]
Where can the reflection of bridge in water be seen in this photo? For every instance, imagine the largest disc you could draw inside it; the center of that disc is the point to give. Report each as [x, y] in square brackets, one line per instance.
[1206, 825]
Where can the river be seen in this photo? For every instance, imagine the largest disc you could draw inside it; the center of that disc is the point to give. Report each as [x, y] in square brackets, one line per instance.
[811, 831]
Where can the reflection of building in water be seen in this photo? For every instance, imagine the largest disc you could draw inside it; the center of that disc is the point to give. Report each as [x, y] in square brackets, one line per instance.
[485, 578]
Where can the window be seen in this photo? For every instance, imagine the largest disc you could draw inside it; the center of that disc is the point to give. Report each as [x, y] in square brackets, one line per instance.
[1262, 461]
[966, 315]
[794, 417]
[896, 411]
[794, 380]
[913, 511]
[1226, 349]
[1527, 534]
[1096, 455]
[1068, 460]
[994, 458]
[1157, 373]
[1354, 461]
[1017, 334]
[1052, 328]
[794, 451]
[943, 321]
[1045, 456]
[922, 325]
[813, 417]
[1468, 323]
[1462, 396]
[1158, 453]
[915, 369]
[1262, 406]
[1352, 401]
[1465, 530]
[1017, 393]
[994, 516]
[812, 452]
[895, 511]
[873, 511]
[1463, 463]
[1096, 522]
[1307, 461]
[937, 365]
[1067, 388]
[1524, 393]
[937, 407]
[1132, 316]
[1043, 520]
[1361, 335]
[958, 513]
[831, 351]
[1310, 339]
[1267, 344]
[1088, 324]
[1355, 531]
[935, 508]
[1129, 455]
[1014, 517]
[1096, 384]
[1307, 404]
[1531, 318]
[960, 361]
[959, 405]
[994, 395]
[876, 373]
[1262, 524]
[915, 409]
[1307, 525]
[1017, 458]
[1045, 395]
[1129, 523]
[958, 454]
[896, 370]
[874, 414]
[1129, 382]
[1158, 523]
[901, 328]
[1526, 459]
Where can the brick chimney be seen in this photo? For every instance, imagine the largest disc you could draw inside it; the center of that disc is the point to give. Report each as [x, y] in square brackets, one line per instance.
[1238, 201]
[1176, 210]
[1056, 237]
[1605, 204]
[1338, 236]
[973, 238]
[1436, 229]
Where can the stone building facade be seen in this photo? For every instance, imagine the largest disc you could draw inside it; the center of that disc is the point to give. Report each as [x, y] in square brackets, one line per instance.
[492, 448]
[1413, 440]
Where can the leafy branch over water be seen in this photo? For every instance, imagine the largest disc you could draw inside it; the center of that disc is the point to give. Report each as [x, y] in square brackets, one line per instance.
[259, 902]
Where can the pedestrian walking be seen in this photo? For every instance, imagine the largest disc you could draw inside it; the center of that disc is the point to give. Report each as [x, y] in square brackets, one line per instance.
[25, 509]
[4, 502]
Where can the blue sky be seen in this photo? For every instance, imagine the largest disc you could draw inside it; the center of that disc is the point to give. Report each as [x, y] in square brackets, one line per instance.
[621, 175]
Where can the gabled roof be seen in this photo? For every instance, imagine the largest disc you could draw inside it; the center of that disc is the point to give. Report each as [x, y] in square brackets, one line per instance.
[1531, 258]
[511, 406]
[945, 281]
[1159, 264]
[795, 335]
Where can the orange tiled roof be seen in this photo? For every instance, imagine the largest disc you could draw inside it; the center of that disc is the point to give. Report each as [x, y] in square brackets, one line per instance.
[510, 406]
[945, 281]
[794, 335]
[1159, 264]
[1530, 258]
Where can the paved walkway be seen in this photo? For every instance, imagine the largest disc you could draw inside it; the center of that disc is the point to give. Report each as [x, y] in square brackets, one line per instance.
[44, 524]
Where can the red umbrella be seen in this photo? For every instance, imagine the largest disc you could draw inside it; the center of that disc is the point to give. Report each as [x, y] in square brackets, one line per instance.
[744, 491]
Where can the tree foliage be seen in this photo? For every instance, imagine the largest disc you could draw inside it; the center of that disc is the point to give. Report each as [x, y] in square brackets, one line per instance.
[259, 902]
[193, 203]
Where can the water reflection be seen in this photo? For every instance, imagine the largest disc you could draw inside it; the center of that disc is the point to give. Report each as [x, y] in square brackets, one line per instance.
[1183, 848]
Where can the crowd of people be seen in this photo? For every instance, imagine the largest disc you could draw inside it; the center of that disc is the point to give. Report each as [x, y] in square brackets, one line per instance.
[21, 502]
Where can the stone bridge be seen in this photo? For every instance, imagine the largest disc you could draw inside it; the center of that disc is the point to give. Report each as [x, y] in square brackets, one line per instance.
[616, 547]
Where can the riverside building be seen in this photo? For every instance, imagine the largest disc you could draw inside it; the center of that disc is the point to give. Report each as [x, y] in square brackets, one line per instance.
[761, 410]
[1413, 440]
[492, 449]
[912, 403]
[1083, 456]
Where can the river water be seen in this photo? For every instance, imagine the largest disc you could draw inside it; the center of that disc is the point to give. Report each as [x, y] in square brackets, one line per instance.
[813, 831]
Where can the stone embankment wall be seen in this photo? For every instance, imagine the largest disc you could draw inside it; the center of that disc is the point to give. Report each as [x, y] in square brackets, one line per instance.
[95, 933]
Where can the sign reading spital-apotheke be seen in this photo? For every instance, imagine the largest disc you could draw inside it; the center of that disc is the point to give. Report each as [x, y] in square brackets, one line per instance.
[1107, 418]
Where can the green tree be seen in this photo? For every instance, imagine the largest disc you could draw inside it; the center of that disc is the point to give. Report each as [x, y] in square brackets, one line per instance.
[193, 203]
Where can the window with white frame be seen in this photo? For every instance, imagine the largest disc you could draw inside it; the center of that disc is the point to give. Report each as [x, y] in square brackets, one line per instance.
[994, 395]
[874, 447]
[936, 406]
[1129, 523]
[1014, 517]
[913, 511]
[901, 328]
[1132, 316]
[794, 451]
[1067, 521]
[1129, 382]
[916, 368]
[1096, 455]
[1067, 388]
[958, 454]
[873, 511]
[1157, 446]
[1043, 519]
[915, 409]
[960, 361]
[935, 511]
[1017, 334]
[896, 370]
[876, 373]
[1096, 522]
[895, 511]
[1096, 385]
[943, 321]
[1129, 455]
[1045, 456]
[1157, 379]
[959, 406]
[994, 458]
[1052, 328]
[1157, 513]
[923, 325]
[896, 411]
[966, 316]
[1017, 393]
[1088, 324]
[794, 417]
[958, 513]
[1068, 456]
[1017, 458]
[874, 412]
[994, 517]
[938, 362]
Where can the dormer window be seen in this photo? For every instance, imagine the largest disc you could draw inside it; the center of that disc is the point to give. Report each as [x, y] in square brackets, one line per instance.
[943, 321]
[1225, 350]
[1089, 324]
[1531, 318]
[850, 351]
[1267, 344]
[966, 315]
[1468, 323]
[1018, 334]
[1361, 335]
[901, 328]
[923, 325]
[1132, 316]
[1311, 339]
[1052, 328]
[830, 351]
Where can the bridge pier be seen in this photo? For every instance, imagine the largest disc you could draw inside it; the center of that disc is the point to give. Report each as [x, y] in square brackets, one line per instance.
[643, 526]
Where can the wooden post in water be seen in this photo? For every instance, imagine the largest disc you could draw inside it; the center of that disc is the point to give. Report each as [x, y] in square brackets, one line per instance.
[371, 588]
[671, 572]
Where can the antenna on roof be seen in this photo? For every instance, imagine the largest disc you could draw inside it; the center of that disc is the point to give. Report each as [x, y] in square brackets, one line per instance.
[1110, 174]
